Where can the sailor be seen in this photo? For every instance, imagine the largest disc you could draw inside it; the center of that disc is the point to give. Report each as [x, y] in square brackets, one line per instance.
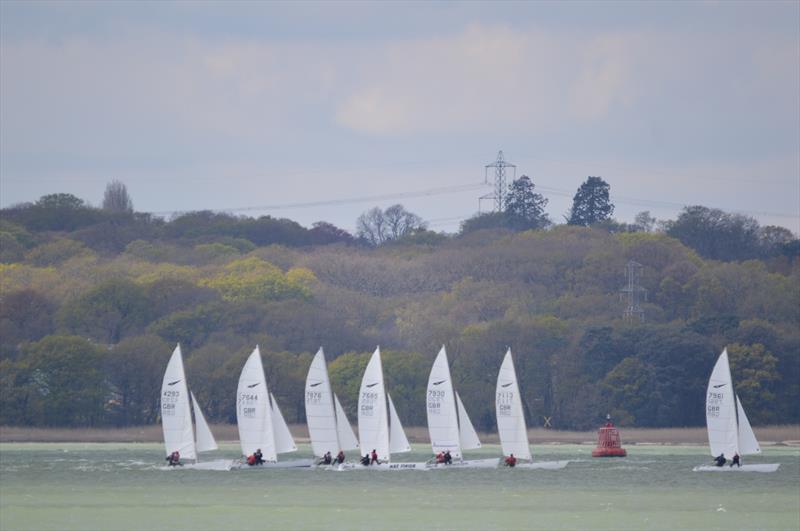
[736, 461]
[174, 459]
[374, 457]
[259, 457]
[327, 459]
[365, 460]
[251, 460]
[511, 460]
[440, 458]
[340, 457]
[448, 459]
[720, 460]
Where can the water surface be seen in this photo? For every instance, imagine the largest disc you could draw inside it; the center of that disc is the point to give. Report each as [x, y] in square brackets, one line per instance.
[124, 486]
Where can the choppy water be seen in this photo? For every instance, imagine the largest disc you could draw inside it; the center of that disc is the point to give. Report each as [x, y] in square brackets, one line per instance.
[122, 487]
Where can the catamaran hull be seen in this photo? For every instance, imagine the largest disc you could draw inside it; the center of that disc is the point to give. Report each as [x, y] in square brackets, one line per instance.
[384, 467]
[543, 465]
[766, 467]
[218, 464]
[470, 463]
[296, 463]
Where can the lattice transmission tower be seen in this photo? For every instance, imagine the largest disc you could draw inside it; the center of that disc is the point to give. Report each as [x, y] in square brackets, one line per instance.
[499, 192]
[634, 292]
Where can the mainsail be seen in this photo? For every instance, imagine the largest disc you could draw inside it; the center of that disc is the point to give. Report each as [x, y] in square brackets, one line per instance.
[176, 416]
[320, 408]
[373, 428]
[441, 407]
[253, 410]
[721, 410]
[510, 416]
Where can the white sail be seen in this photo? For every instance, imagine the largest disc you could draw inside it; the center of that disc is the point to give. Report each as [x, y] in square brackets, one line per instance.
[373, 427]
[748, 445]
[320, 412]
[441, 407]
[510, 416]
[253, 411]
[205, 439]
[176, 417]
[466, 431]
[398, 443]
[721, 410]
[347, 439]
[284, 442]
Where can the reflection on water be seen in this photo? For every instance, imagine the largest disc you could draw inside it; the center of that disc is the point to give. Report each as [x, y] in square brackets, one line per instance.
[115, 486]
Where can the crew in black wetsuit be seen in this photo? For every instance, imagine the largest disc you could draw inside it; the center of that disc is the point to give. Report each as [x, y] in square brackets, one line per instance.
[327, 459]
[720, 460]
[448, 459]
[340, 457]
[365, 460]
[259, 457]
[736, 461]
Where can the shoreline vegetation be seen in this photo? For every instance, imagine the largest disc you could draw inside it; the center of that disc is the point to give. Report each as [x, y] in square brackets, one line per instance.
[775, 435]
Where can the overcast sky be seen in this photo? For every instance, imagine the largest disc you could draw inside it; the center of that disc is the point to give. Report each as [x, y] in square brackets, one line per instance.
[352, 105]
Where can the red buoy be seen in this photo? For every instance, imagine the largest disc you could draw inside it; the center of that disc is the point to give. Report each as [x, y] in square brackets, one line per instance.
[608, 443]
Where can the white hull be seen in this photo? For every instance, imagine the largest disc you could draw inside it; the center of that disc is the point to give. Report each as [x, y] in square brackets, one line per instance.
[543, 465]
[766, 467]
[468, 463]
[384, 466]
[217, 464]
[295, 463]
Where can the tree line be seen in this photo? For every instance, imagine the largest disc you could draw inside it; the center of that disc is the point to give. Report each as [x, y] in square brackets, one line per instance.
[93, 300]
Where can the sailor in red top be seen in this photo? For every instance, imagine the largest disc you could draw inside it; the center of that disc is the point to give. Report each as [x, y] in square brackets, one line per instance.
[511, 460]
[374, 457]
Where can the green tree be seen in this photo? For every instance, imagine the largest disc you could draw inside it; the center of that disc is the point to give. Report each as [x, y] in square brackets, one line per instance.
[716, 234]
[591, 203]
[25, 315]
[524, 206]
[108, 312]
[755, 375]
[66, 378]
[134, 369]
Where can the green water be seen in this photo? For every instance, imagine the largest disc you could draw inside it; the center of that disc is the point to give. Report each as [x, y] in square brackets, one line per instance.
[113, 486]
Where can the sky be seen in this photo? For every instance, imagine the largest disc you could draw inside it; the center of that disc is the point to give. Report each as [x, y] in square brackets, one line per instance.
[321, 110]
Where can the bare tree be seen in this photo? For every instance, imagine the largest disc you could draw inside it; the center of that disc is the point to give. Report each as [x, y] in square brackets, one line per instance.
[116, 198]
[377, 226]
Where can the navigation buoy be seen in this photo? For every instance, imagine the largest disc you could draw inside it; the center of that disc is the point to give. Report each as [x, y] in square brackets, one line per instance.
[608, 443]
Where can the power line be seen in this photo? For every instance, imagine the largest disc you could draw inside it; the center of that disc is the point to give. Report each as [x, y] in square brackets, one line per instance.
[345, 201]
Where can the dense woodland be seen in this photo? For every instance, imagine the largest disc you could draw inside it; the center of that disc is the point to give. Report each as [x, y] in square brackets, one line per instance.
[93, 301]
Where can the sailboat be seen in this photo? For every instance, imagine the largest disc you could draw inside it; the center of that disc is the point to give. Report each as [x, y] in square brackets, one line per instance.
[176, 418]
[328, 426]
[379, 427]
[448, 423]
[511, 419]
[729, 431]
[261, 423]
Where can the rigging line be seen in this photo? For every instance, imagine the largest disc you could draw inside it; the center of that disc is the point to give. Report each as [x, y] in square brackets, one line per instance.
[343, 201]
